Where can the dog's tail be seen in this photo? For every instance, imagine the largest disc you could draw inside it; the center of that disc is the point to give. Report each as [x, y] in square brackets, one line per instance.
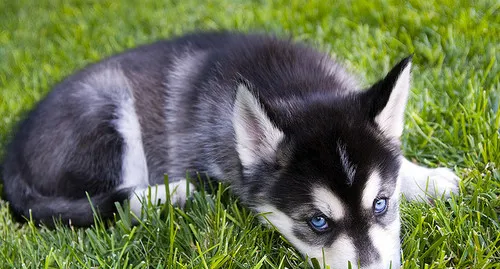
[80, 212]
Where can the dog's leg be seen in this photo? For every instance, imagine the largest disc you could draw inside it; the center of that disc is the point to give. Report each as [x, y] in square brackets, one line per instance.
[422, 183]
[179, 193]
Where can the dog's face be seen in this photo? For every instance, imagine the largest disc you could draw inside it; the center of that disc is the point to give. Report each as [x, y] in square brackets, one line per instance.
[338, 195]
[328, 175]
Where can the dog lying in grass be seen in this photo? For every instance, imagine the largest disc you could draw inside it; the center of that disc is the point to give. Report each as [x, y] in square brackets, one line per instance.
[283, 124]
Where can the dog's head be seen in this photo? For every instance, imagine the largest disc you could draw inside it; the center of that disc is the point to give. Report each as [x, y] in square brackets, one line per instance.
[324, 168]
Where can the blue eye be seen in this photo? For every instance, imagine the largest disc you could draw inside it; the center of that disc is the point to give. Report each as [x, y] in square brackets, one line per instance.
[319, 223]
[379, 205]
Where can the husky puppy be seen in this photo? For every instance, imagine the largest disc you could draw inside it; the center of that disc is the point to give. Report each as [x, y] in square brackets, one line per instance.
[285, 125]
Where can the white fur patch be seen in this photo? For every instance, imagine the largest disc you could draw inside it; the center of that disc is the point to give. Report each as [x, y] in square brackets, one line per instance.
[179, 192]
[328, 203]
[134, 166]
[421, 183]
[256, 136]
[340, 252]
[371, 190]
[391, 118]
[387, 242]
[277, 218]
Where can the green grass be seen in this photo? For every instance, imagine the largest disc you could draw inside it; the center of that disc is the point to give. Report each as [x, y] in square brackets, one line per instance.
[453, 119]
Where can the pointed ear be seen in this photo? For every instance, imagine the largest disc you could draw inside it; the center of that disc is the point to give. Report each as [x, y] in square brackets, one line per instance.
[257, 138]
[386, 100]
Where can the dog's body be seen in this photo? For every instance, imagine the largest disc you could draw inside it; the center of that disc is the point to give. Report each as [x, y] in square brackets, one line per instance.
[283, 124]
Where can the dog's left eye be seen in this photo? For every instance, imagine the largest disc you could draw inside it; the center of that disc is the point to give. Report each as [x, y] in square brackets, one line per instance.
[319, 223]
[379, 205]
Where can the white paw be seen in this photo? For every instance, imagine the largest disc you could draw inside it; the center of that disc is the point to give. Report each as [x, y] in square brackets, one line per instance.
[424, 184]
[179, 192]
[441, 182]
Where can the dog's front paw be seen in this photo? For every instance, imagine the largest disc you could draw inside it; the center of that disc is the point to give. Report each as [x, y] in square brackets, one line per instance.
[180, 191]
[424, 184]
[441, 182]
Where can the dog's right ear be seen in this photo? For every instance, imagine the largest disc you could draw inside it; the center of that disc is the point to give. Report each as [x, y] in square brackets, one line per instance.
[257, 137]
[386, 100]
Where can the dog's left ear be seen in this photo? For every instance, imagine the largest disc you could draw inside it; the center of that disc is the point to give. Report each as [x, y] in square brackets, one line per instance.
[386, 99]
[257, 137]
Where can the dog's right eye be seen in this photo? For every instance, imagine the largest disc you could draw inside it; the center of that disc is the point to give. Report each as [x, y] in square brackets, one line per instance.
[319, 223]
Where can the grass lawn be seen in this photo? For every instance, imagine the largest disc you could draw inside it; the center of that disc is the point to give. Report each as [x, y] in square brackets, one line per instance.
[453, 120]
